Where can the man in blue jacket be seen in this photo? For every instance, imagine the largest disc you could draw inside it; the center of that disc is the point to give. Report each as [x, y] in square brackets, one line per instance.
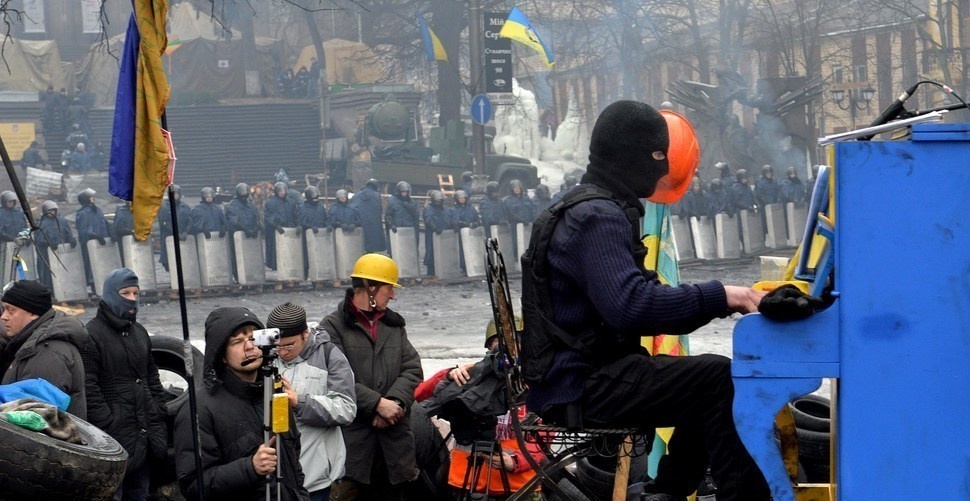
[588, 300]
[368, 205]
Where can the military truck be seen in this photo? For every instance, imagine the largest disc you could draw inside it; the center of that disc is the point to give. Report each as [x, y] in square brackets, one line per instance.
[392, 149]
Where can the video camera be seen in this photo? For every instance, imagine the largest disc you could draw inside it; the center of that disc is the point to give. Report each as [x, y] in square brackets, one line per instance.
[266, 338]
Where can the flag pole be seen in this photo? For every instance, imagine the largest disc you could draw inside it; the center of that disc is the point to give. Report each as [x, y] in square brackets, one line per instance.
[187, 347]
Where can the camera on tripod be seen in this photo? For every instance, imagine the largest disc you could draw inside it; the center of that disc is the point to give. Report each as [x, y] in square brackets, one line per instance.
[266, 338]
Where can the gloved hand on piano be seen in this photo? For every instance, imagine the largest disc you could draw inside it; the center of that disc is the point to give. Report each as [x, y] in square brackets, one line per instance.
[788, 303]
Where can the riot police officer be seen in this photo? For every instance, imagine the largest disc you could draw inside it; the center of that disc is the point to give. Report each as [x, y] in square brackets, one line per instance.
[184, 214]
[368, 204]
[91, 225]
[435, 221]
[207, 217]
[54, 231]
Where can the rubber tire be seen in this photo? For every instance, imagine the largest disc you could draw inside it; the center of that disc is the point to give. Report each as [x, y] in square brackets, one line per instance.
[36, 466]
[167, 354]
[813, 454]
[811, 412]
[570, 490]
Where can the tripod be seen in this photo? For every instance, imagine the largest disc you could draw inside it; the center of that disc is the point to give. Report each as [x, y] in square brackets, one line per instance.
[271, 378]
[479, 463]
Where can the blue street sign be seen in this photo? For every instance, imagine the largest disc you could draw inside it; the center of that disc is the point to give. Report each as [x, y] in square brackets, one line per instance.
[481, 109]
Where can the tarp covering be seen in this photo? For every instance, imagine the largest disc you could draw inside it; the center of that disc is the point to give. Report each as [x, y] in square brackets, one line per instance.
[347, 62]
[33, 65]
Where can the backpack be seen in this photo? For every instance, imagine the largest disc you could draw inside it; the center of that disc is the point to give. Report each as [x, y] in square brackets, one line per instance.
[542, 338]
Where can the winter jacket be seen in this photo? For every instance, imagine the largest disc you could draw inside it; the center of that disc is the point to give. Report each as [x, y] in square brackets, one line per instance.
[435, 221]
[401, 212]
[368, 205]
[742, 198]
[12, 221]
[280, 213]
[90, 224]
[313, 215]
[207, 217]
[241, 216]
[52, 352]
[767, 191]
[388, 367]
[125, 397]
[55, 231]
[230, 416]
[184, 213]
[520, 209]
[324, 381]
[463, 216]
[492, 211]
[343, 214]
[720, 202]
[793, 190]
[124, 223]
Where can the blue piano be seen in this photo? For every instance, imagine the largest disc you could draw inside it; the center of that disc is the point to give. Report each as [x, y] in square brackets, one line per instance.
[897, 338]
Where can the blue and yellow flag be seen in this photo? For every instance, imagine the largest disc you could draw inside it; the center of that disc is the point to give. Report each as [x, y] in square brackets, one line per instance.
[432, 46]
[518, 28]
[138, 169]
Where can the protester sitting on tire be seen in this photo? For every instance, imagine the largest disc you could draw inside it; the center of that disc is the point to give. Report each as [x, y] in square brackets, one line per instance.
[125, 396]
[42, 343]
[235, 461]
[320, 384]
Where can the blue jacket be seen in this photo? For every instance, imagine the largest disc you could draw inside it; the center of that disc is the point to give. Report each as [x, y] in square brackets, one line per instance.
[90, 223]
[165, 218]
[520, 209]
[741, 198]
[341, 214]
[793, 190]
[767, 191]
[207, 217]
[55, 229]
[313, 215]
[435, 218]
[12, 222]
[401, 212]
[241, 216]
[463, 216]
[124, 223]
[280, 213]
[720, 202]
[368, 205]
[492, 211]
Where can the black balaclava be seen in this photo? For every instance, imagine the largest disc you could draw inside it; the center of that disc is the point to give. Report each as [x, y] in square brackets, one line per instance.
[620, 151]
[120, 306]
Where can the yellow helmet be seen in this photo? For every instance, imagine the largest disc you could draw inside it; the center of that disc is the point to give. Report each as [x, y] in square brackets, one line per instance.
[491, 331]
[376, 267]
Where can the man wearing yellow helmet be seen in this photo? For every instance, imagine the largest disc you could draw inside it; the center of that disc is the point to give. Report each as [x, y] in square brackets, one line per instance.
[387, 369]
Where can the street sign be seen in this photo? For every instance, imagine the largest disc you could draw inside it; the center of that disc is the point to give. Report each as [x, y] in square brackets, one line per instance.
[481, 109]
[498, 54]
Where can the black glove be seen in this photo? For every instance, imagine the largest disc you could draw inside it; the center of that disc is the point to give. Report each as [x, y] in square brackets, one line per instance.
[207, 234]
[348, 227]
[54, 247]
[279, 229]
[473, 225]
[393, 229]
[438, 231]
[73, 244]
[222, 233]
[101, 240]
[252, 234]
[183, 237]
[316, 230]
[789, 303]
[299, 229]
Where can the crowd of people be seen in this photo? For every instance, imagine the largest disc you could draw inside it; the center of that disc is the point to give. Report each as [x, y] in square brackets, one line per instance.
[65, 116]
[303, 83]
[732, 192]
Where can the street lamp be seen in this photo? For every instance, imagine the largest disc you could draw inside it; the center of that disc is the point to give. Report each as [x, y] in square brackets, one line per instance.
[853, 99]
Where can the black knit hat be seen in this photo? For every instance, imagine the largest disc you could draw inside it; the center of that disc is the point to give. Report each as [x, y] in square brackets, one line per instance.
[29, 295]
[289, 318]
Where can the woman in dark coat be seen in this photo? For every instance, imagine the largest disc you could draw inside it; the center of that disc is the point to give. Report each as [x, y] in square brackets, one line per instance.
[124, 395]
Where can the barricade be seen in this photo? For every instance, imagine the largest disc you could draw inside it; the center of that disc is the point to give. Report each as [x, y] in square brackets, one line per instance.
[104, 259]
[445, 246]
[214, 268]
[289, 255]
[320, 257]
[137, 256]
[250, 267]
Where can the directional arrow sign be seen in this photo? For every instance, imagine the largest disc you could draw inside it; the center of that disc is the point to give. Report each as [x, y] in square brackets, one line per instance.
[481, 109]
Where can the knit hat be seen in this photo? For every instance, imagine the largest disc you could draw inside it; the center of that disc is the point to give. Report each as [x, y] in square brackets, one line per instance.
[289, 318]
[114, 282]
[29, 295]
[621, 150]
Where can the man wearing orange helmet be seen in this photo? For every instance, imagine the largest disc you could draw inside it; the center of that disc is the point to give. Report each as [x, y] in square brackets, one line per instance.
[587, 300]
[387, 369]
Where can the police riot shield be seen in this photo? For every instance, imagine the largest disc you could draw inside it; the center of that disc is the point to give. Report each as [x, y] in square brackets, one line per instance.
[289, 255]
[137, 256]
[319, 251]
[250, 268]
[523, 233]
[705, 245]
[214, 269]
[473, 249]
[190, 262]
[24, 254]
[104, 259]
[67, 274]
[404, 250]
[348, 246]
[446, 263]
[775, 235]
[726, 238]
[752, 232]
[680, 230]
[503, 233]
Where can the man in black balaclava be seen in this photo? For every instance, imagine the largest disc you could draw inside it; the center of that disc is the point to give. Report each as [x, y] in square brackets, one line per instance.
[588, 300]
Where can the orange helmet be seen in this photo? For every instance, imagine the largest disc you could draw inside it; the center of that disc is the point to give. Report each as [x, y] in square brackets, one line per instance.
[683, 155]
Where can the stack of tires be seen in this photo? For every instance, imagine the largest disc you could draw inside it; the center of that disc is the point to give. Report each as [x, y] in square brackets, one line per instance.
[811, 414]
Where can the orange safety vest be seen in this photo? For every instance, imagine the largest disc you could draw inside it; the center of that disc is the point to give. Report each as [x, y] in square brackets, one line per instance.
[493, 479]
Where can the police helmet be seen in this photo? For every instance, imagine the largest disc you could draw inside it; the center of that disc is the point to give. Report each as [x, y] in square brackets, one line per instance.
[466, 176]
[570, 180]
[515, 183]
[86, 197]
[177, 189]
[791, 170]
[372, 184]
[207, 192]
[741, 174]
[542, 191]
[341, 194]
[491, 187]
[279, 188]
[7, 196]
[311, 193]
[242, 190]
[724, 167]
[715, 184]
[461, 194]
[437, 196]
[403, 186]
[48, 206]
[766, 169]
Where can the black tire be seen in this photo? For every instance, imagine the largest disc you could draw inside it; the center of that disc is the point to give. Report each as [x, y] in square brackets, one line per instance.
[36, 466]
[812, 412]
[813, 454]
[570, 490]
[167, 354]
[598, 482]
